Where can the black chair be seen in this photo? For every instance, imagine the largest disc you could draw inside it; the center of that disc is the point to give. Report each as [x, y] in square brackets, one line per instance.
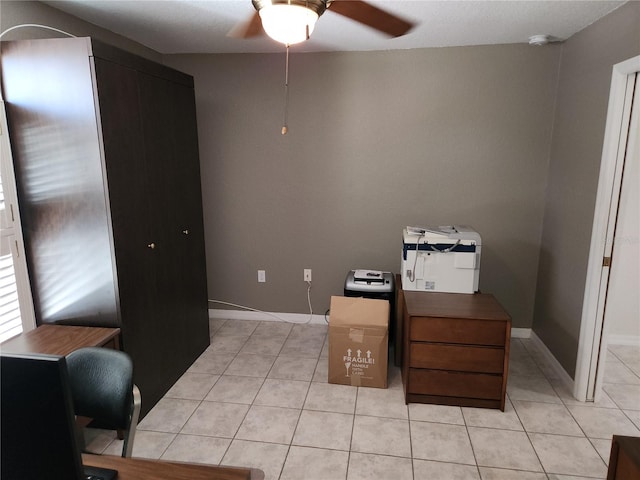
[103, 390]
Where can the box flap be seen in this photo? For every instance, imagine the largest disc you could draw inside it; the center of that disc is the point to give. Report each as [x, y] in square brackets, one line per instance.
[358, 312]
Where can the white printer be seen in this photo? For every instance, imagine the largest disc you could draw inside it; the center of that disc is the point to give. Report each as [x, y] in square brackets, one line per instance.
[441, 259]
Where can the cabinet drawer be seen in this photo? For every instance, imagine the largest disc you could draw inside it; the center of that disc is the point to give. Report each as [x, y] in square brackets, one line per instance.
[454, 384]
[458, 330]
[457, 357]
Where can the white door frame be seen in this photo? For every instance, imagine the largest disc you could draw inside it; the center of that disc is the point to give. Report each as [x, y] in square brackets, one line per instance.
[586, 384]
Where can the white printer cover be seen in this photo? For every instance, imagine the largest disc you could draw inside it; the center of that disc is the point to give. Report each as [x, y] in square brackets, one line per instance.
[445, 235]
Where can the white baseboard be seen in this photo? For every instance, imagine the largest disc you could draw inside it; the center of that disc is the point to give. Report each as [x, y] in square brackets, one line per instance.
[267, 316]
[556, 367]
[633, 340]
[520, 333]
[304, 318]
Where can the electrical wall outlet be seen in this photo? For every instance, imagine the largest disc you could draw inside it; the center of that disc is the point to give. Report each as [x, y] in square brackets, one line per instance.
[262, 276]
[307, 274]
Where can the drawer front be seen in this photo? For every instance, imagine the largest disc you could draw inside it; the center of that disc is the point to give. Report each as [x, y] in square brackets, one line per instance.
[454, 384]
[458, 330]
[456, 357]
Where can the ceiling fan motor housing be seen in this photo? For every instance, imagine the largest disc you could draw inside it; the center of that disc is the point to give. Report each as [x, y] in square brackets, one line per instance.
[317, 6]
[357, 10]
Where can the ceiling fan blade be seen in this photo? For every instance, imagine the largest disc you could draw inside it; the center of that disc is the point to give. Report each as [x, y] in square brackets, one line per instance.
[249, 29]
[371, 16]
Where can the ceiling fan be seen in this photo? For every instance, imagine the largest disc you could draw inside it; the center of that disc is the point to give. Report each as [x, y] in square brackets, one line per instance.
[292, 21]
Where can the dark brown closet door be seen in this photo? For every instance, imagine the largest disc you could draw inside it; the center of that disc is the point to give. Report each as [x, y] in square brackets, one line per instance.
[191, 271]
[170, 152]
[134, 240]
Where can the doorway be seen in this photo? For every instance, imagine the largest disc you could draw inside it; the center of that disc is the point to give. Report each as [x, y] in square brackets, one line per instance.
[620, 151]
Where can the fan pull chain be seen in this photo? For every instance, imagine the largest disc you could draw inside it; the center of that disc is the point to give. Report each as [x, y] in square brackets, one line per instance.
[286, 94]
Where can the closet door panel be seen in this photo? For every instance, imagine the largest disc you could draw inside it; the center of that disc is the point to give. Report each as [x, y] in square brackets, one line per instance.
[158, 125]
[191, 273]
[127, 187]
[126, 175]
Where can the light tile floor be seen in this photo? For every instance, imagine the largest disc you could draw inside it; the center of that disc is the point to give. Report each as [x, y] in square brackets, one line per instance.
[258, 397]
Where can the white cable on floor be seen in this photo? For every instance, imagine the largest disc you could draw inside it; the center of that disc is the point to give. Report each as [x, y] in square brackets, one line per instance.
[309, 300]
[260, 311]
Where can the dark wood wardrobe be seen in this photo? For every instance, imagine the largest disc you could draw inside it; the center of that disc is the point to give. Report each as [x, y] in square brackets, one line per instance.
[106, 157]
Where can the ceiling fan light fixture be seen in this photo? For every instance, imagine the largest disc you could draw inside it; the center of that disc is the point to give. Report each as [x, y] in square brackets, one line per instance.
[288, 23]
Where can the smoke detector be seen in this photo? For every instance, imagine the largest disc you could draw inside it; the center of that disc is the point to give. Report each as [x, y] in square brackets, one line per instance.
[539, 40]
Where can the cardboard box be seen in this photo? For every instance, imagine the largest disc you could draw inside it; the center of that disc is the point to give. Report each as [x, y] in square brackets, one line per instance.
[358, 341]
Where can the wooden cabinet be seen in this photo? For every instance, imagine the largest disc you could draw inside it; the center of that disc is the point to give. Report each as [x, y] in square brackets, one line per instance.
[399, 309]
[455, 349]
[107, 168]
[624, 461]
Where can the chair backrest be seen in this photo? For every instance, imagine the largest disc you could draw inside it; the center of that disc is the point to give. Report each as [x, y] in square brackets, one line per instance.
[102, 385]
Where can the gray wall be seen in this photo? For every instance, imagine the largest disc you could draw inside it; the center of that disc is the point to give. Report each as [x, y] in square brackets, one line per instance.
[576, 151]
[22, 12]
[377, 141]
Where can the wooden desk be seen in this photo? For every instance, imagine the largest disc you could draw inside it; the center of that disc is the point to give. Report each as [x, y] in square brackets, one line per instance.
[455, 349]
[62, 339]
[142, 469]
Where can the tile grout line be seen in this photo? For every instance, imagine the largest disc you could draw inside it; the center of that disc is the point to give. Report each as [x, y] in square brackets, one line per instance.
[473, 450]
[413, 463]
[258, 393]
[353, 427]
[303, 402]
[219, 377]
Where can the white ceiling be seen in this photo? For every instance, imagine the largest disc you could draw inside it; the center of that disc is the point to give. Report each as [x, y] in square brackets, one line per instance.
[186, 26]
